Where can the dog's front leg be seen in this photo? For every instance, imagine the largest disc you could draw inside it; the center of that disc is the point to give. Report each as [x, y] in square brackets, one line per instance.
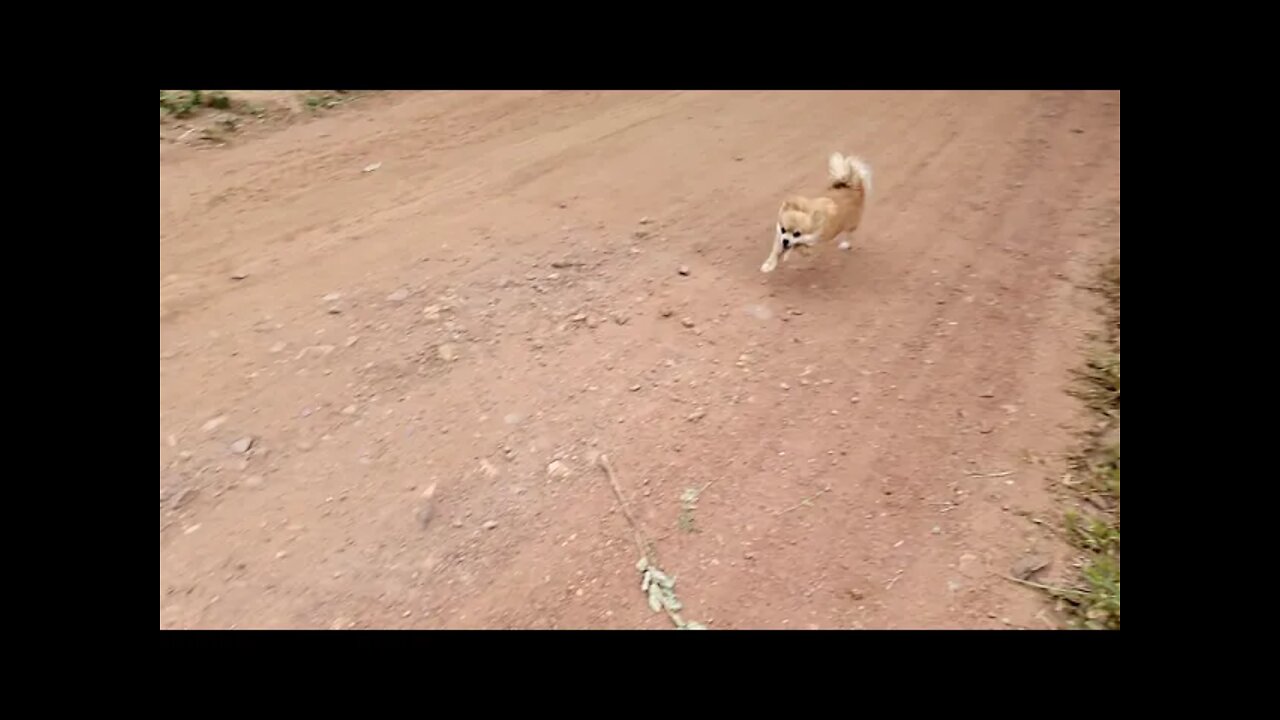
[772, 262]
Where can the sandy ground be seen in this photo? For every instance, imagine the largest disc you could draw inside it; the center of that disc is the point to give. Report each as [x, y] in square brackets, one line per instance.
[502, 299]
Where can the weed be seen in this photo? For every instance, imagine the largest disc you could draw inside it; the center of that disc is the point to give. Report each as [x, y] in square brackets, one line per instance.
[1096, 602]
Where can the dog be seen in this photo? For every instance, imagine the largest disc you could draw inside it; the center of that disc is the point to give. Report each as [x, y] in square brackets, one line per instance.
[807, 222]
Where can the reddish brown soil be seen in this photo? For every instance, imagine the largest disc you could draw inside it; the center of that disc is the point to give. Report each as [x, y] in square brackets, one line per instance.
[503, 306]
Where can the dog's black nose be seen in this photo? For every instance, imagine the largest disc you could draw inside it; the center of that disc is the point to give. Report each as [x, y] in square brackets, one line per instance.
[786, 244]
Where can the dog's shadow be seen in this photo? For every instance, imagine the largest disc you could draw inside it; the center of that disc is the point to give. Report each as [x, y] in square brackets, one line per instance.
[825, 269]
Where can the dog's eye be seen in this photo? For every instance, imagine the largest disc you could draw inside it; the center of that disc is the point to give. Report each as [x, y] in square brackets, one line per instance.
[795, 234]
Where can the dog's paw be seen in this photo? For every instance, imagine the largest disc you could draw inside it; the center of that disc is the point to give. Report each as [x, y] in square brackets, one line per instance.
[769, 265]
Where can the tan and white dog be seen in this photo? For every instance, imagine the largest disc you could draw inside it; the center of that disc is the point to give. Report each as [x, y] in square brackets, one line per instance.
[807, 222]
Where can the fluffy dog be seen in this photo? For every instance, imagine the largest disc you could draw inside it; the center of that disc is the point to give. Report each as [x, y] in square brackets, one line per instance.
[807, 222]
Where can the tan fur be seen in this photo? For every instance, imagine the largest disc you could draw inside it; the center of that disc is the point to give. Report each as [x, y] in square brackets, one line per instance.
[820, 220]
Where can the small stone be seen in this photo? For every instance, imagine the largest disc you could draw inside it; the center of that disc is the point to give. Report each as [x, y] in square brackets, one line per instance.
[335, 310]
[987, 394]
[1028, 565]
[399, 295]
[784, 386]
[456, 523]
[431, 313]
[447, 352]
[684, 270]
[687, 322]
[557, 469]
[214, 424]
[242, 445]
[490, 524]
[635, 388]
[665, 312]
[332, 297]
[645, 221]
[239, 274]
[696, 415]
[352, 340]
[855, 399]
[427, 507]
[282, 554]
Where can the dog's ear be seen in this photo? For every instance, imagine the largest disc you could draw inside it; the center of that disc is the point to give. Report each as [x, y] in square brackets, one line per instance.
[793, 203]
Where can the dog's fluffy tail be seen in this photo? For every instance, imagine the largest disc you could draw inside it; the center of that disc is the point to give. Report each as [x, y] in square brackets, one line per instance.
[849, 171]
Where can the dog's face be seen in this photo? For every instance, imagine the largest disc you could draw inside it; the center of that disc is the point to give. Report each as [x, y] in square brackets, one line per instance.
[798, 223]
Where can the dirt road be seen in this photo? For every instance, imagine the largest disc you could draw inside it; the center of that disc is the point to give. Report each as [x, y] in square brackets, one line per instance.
[502, 299]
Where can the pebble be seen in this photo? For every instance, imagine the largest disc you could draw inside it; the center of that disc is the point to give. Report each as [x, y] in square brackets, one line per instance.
[239, 274]
[687, 322]
[1028, 565]
[684, 270]
[349, 410]
[490, 524]
[332, 297]
[784, 386]
[557, 469]
[697, 415]
[635, 388]
[447, 352]
[242, 445]
[665, 312]
[426, 509]
[214, 424]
